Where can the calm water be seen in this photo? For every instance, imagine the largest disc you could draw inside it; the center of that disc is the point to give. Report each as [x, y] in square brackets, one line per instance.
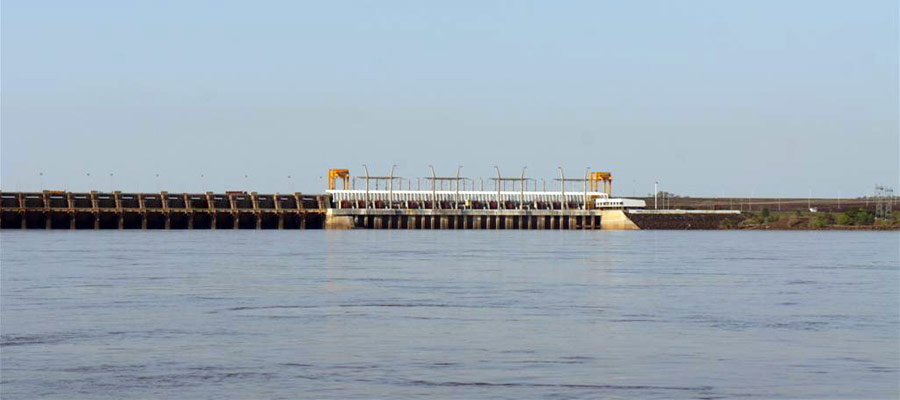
[445, 314]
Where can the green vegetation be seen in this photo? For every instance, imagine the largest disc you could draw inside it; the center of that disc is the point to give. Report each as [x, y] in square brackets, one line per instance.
[844, 219]
[822, 220]
[797, 219]
[727, 224]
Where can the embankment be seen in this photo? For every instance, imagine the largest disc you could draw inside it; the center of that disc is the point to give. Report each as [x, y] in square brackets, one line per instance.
[677, 219]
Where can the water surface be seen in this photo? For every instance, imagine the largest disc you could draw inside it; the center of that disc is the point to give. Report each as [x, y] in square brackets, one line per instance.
[449, 314]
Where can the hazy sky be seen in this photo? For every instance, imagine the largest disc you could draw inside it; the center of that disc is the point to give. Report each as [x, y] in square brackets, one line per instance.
[709, 98]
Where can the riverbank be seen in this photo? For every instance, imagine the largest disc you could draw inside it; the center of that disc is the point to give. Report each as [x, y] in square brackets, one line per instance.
[849, 220]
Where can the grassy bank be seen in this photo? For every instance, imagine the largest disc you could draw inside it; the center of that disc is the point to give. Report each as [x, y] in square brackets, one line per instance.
[854, 219]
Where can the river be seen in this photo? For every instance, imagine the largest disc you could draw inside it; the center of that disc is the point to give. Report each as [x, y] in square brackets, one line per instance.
[449, 314]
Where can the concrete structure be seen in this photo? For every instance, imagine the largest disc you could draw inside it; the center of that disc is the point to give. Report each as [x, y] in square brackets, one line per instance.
[340, 209]
[464, 219]
[388, 207]
[682, 219]
[96, 210]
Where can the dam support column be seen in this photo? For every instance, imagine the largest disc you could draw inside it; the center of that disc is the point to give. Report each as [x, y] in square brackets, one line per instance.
[257, 216]
[211, 209]
[164, 199]
[95, 211]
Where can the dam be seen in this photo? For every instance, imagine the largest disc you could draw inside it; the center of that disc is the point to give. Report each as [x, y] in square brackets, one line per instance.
[117, 210]
[380, 203]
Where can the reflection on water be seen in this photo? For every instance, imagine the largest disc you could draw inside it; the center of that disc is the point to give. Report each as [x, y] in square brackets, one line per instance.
[449, 314]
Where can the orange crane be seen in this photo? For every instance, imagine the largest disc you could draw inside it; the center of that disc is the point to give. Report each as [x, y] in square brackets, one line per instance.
[334, 174]
[601, 178]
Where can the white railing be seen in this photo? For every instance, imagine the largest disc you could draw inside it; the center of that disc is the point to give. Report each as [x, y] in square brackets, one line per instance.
[460, 197]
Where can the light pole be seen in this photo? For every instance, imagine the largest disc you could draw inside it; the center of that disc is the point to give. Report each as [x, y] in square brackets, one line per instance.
[391, 188]
[41, 178]
[367, 184]
[456, 199]
[562, 185]
[656, 195]
[522, 190]
[587, 172]
[433, 190]
[499, 180]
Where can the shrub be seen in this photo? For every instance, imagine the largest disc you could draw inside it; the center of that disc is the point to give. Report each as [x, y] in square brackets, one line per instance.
[821, 220]
[864, 217]
[844, 219]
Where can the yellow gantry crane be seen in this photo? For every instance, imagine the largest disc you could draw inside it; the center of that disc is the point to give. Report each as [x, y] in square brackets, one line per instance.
[601, 181]
[334, 174]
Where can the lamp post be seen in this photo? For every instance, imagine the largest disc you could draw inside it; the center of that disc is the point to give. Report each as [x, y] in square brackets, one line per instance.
[456, 198]
[433, 190]
[391, 188]
[366, 167]
[562, 184]
[499, 180]
[522, 190]
[587, 171]
[655, 195]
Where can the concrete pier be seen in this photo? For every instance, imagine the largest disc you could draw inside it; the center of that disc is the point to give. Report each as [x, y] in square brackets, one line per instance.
[458, 219]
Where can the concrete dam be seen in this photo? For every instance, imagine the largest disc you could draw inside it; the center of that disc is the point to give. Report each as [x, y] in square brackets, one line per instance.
[516, 203]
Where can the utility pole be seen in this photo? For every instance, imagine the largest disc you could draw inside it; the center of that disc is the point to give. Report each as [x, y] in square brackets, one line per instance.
[656, 195]
[562, 185]
[499, 180]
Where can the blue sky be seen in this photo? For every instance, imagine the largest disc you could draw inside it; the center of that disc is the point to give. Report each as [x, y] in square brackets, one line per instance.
[710, 98]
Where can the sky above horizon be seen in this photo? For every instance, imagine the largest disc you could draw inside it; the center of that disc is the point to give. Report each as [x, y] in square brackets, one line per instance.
[710, 98]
